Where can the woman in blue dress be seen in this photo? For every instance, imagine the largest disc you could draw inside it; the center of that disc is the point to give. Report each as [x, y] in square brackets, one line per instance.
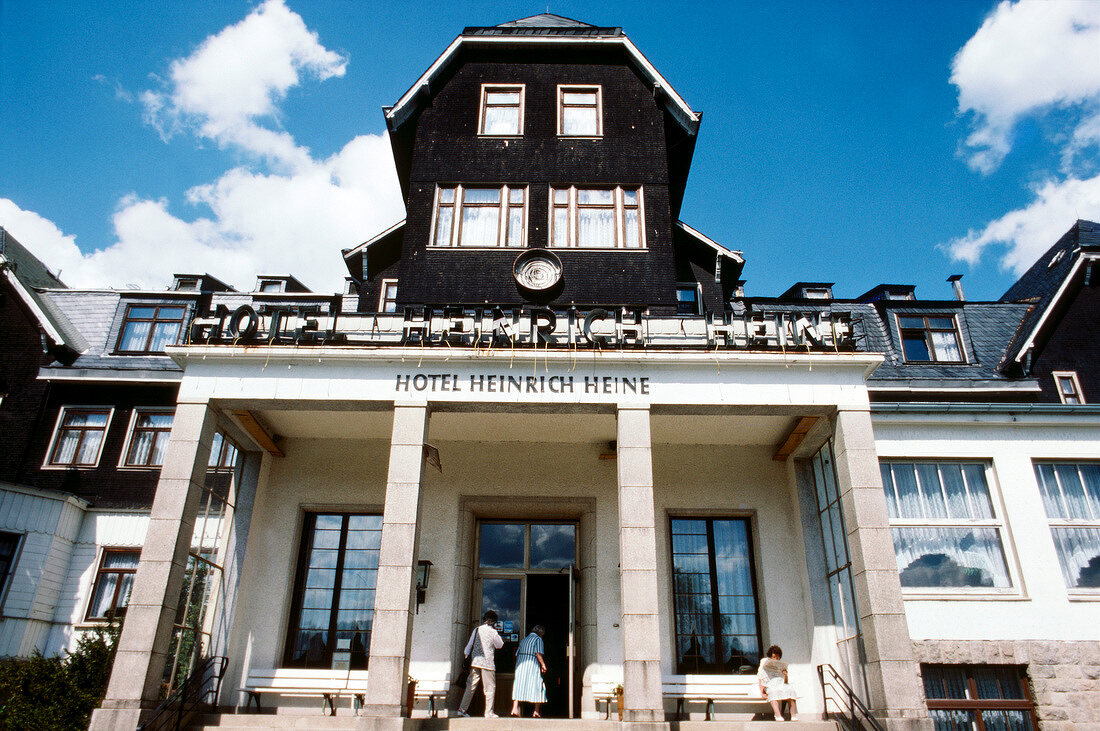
[528, 686]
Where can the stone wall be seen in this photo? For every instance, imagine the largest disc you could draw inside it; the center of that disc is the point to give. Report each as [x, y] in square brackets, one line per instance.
[1065, 676]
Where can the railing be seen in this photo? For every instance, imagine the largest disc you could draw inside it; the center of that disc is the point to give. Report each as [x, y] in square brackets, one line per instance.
[199, 689]
[854, 714]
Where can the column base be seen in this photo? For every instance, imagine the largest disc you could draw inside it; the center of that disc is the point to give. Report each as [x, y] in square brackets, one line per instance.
[380, 710]
[115, 719]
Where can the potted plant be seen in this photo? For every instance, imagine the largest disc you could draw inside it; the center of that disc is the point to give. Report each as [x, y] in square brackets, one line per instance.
[619, 699]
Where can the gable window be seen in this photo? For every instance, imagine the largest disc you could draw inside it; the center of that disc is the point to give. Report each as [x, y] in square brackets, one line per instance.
[501, 110]
[148, 328]
[333, 606]
[580, 112]
[113, 582]
[1069, 388]
[932, 338]
[979, 697]
[714, 595]
[596, 218]
[387, 298]
[1071, 496]
[78, 440]
[480, 216]
[946, 533]
[687, 299]
[148, 438]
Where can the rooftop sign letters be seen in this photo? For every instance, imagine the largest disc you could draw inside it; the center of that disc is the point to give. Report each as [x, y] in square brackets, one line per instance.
[507, 326]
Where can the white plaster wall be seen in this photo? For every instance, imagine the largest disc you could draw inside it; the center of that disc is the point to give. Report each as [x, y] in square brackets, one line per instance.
[1040, 607]
[328, 474]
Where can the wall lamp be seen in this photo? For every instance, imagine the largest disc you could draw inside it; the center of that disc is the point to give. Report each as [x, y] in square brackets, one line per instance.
[423, 571]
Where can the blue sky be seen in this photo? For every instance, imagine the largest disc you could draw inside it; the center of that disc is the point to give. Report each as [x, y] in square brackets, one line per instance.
[855, 143]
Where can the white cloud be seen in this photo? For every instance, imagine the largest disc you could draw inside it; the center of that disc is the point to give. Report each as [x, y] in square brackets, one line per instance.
[1026, 58]
[1029, 231]
[237, 76]
[288, 213]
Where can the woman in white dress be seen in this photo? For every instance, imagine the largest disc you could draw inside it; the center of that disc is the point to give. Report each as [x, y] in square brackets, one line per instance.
[528, 686]
[774, 684]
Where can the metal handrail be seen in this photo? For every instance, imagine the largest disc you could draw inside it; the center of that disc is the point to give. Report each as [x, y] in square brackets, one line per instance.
[858, 713]
[178, 708]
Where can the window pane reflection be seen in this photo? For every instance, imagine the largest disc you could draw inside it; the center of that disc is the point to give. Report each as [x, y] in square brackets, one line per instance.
[501, 545]
[552, 546]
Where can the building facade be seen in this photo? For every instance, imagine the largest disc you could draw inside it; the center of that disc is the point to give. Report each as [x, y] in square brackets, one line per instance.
[544, 394]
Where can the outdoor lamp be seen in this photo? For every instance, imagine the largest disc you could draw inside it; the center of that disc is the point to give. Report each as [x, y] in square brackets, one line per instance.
[423, 571]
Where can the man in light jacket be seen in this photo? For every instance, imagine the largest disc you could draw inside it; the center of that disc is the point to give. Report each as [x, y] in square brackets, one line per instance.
[483, 644]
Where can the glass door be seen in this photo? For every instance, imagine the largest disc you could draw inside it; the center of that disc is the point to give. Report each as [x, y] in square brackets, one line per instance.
[523, 575]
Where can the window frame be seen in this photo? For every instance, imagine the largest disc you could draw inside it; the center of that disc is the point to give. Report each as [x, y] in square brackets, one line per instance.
[1077, 394]
[974, 703]
[574, 208]
[152, 328]
[1057, 523]
[104, 552]
[563, 89]
[715, 608]
[998, 521]
[521, 108]
[697, 289]
[15, 540]
[927, 329]
[504, 209]
[131, 430]
[383, 299]
[224, 453]
[298, 588]
[49, 464]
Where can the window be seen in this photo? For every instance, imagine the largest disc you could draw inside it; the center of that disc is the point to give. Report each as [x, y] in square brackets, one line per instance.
[978, 697]
[469, 216]
[501, 110]
[687, 299]
[946, 534]
[1069, 388]
[334, 593]
[934, 338]
[1071, 496]
[9, 547]
[148, 438]
[79, 437]
[817, 293]
[714, 595]
[272, 285]
[148, 328]
[113, 582]
[579, 111]
[223, 454]
[387, 299]
[186, 284]
[596, 218]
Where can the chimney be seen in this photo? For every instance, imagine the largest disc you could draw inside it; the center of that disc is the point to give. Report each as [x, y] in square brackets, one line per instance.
[957, 284]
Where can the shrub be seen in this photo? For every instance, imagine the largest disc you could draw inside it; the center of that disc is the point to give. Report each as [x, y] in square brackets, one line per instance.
[54, 692]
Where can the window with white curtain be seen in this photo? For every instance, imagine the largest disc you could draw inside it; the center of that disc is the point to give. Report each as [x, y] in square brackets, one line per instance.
[501, 110]
[580, 111]
[479, 216]
[946, 532]
[596, 218]
[1071, 496]
[113, 582]
[933, 338]
[78, 439]
[148, 438]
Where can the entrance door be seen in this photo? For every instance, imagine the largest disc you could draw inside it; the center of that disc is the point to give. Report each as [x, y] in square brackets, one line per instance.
[523, 575]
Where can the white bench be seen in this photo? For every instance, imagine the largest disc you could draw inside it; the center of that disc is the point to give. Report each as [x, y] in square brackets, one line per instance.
[603, 690]
[711, 689]
[431, 686]
[326, 684]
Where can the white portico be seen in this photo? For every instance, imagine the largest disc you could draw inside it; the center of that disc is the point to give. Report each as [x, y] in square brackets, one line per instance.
[520, 435]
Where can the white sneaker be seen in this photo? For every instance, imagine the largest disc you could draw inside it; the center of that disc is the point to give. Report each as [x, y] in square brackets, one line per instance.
[490, 714]
[794, 718]
[461, 713]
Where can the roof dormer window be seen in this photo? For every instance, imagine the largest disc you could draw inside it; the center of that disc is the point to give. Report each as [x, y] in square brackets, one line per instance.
[186, 284]
[501, 110]
[930, 338]
[270, 285]
[1069, 388]
[580, 111]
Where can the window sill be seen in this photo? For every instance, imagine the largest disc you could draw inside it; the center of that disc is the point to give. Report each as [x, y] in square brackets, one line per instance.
[1009, 595]
[592, 138]
[483, 136]
[936, 362]
[62, 467]
[601, 249]
[434, 247]
[139, 468]
[1084, 596]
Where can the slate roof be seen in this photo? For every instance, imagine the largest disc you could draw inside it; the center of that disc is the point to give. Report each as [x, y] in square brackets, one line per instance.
[1040, 284]
[28, 274]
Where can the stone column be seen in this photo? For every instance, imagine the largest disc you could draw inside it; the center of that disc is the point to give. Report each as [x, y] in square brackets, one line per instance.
[143, 645]
[893, 675]
[641, 628]
[395, 597]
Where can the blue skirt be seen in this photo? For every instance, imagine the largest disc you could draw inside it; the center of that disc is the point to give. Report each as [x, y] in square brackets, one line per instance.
[528, 686]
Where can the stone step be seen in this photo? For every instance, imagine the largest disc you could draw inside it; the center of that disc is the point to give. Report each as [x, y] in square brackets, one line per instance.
[251, 722]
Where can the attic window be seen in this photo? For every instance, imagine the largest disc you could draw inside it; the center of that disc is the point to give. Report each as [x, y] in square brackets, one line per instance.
[272, 285]
[817, 293]
[186, 284]
[687, 298]
[580, 111]
[932, 338]
[501, 110]
[1069, 388]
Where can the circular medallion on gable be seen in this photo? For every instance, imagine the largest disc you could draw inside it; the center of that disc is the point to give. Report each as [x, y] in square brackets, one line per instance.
[537, 270]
